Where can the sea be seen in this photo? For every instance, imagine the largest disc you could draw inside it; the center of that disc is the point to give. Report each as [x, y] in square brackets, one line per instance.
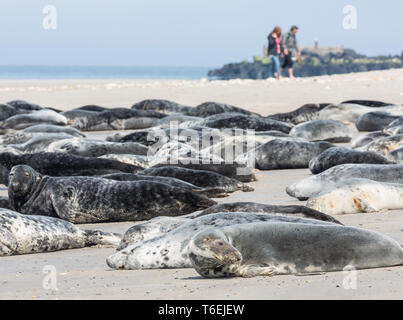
[103, 72]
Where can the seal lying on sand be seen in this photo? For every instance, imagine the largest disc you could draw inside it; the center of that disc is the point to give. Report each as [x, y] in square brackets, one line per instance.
[211, 108]
[303, 190]
[306, 113]
[90, 199]
[358, 195]
[22, 121]
[164, 106]
[170, 249]
[385, 145]
[231, 170]
[216, 192]
[375, 121]
[322, 130]
[48, 128]
[266, 249]
[200, 178]
[366, 139]
[117, 119]
[61, 164]
[95, 148]
[288, 154]
[336, 156]
[21, 234]
[161, 225]
[249, 123]
[368, 103]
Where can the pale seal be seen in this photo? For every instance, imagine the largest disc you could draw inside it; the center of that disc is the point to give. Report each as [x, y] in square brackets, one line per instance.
[169, 250]
[303, 190]
[366, 139]
[48, 128]
[91, 199]
[384, 145]
[322, 130]
[288, 154]
[22, 121]
[358, 195]
[266, 249]
[61, 164]
[21, 234]
[95, 148]
[339, 155]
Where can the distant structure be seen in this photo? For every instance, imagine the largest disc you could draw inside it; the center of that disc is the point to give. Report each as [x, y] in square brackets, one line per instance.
[316, 41]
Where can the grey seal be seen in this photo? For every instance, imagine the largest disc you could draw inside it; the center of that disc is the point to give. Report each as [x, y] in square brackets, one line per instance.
[384, 145]
[116, 119]
[358, 195]
[249, 123]
[60, 164]
[22, 121]
[211, 108]
[288, 154]
[48, 128]
[303, 190]
[164, 106]
[368, 103]
[21, 234]
[366, 139]
[91, 199]
[339, 155]
[266, 249]
[200, 178]
[322, 130]
[95, 148]
[169, 250]
[375, 121]
[307, 112]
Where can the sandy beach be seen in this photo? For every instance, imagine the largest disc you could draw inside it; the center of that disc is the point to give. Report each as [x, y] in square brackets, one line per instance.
[83, 273]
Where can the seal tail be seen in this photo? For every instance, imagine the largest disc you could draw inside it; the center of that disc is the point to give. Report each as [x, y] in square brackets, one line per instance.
[97, 237]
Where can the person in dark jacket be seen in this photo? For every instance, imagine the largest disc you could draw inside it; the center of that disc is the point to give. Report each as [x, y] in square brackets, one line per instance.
[291, 50]
[275, 50]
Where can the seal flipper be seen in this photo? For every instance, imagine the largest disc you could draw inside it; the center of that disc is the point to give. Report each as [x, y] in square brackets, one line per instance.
[255, 270]
[97, 237]
[8, 243]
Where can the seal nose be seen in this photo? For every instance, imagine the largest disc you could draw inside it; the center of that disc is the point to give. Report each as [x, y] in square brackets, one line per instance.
[15, 185]
[117, 260]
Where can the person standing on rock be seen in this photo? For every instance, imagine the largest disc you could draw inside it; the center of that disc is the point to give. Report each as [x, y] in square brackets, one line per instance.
[291, 50]
[275, 50]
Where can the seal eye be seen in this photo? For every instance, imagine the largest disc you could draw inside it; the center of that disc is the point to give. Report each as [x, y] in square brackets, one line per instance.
[11, 174]
[220, 243]
[26, 174]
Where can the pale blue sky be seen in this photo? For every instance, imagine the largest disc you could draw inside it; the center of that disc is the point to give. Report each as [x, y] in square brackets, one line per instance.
[184, 32]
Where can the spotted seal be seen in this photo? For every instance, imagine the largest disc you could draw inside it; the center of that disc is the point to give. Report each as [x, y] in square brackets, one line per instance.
[92, 199]
[303, 190]
[358, 195]
[366, 139]
[339, 155]
[61, 164]
[22, 234]
[161, 225]
[170, 249]
[384, 145]
[267, 249]
[211, 108]
[322, 130]
[48, 128]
